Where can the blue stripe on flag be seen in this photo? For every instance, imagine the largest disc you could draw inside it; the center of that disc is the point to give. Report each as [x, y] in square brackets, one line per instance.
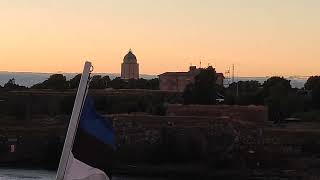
[96, 125]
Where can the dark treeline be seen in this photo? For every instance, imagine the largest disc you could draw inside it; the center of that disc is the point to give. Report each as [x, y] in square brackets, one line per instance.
[276, 93]
[20, 108]
[11, 85]
[59, 82]
[283, 101]
[204, 90]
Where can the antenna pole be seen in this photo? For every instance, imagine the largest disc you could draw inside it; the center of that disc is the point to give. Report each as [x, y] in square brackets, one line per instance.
[232, 73]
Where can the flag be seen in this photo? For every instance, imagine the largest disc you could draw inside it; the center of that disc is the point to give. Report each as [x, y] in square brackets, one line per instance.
[93, 147]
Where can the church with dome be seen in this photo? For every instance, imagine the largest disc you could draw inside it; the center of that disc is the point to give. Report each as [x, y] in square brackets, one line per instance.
[130, 67]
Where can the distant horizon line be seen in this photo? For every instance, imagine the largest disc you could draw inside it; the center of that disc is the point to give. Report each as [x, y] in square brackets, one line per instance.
[288, 76]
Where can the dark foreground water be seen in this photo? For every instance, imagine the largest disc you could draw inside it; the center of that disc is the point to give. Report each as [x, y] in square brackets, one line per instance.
[17, 174]
[20, 174]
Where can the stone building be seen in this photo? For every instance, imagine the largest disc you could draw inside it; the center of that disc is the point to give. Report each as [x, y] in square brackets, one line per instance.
[177, 81]
[130, 67]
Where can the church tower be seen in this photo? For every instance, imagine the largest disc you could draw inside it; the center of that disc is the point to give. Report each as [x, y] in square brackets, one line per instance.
[130, 67]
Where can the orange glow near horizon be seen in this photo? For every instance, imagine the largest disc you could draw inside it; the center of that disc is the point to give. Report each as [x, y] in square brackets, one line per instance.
[262, 38]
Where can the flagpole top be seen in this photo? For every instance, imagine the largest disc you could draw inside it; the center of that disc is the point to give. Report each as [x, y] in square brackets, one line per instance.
[88, 63]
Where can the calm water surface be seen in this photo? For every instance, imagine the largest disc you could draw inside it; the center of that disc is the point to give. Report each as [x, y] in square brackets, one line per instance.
[20, 174]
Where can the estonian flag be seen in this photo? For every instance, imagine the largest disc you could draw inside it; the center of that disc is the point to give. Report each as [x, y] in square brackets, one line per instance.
[93, 148]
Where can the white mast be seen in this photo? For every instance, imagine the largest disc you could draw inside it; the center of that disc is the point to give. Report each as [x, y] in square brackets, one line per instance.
[72, 129]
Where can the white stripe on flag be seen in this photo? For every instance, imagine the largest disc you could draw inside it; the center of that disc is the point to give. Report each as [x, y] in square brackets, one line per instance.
[77, 170]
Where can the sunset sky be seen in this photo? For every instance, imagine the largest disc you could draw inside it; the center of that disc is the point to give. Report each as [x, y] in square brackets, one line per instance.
[261, 37]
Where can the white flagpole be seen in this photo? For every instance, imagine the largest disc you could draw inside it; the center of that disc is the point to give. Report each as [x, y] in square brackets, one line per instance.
[72, 129]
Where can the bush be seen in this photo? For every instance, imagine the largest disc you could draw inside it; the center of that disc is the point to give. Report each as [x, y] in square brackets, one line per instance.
[98, 82]
[316, 96]
[312, 82]
[203, 90]
[55, 82]
[75, 81]
[11, 85]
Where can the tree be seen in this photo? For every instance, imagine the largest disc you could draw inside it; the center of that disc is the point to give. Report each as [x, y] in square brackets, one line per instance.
[75, 81]
[312, 82]
[276, 91]
[313, 85]
[316, 95]
[132, 84]
[11, 85]
[244, 93]
[55, 81]
[154, 84]
[97, 82]
[117, 83]
[276, 86]
[204, 89]
[106, 79]
[141, 83]
[189, 94]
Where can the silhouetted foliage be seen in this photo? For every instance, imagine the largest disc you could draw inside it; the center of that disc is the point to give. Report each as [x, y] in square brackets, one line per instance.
[203, 90]
[97, 82]
[154, 83]
[58, 82]
[313, 85]
[106, 79]
[74, 82]
[276, 87]
[117, 83]
[276, 91]
[11, 85]
[137, 84]
[141, 83]
[316, 95]
[244, 93]
[55, 82]
[312, 82]
[189, 94]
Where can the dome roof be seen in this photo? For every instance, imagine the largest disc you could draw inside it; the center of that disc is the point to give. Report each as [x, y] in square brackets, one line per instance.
[130, 58]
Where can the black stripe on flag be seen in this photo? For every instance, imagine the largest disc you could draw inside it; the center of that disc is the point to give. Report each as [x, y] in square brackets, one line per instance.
[93, 152]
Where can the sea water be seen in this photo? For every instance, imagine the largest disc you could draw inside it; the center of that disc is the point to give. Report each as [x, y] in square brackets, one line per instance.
[19, 174]
[22, 174]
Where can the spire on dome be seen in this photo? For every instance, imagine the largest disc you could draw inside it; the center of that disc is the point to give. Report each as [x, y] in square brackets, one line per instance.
[130, 57]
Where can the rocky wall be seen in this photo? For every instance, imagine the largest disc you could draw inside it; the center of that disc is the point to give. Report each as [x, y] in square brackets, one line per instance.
[256, 114]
